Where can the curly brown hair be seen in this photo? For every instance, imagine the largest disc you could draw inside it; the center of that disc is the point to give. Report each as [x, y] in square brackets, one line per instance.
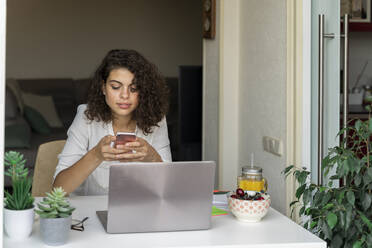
[152, 90]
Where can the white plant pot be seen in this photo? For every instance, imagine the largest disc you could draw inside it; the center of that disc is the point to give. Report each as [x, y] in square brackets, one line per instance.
[18, 223]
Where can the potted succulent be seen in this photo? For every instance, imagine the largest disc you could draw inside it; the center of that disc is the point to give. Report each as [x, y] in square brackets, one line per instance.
[341, 215]
[55, 217]
[18, 205]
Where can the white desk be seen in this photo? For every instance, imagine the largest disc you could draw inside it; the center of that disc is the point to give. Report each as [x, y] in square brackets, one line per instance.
[275, 230]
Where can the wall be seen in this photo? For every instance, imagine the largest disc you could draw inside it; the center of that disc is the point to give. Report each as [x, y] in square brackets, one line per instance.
[360, 51]
[251, 48]
[69, 38]
[263, 89]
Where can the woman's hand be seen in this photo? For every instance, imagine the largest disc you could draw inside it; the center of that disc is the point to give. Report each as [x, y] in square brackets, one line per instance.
[138, 150]
[104, 152]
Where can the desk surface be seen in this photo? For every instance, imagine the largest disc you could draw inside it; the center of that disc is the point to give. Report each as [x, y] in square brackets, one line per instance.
[275, 230]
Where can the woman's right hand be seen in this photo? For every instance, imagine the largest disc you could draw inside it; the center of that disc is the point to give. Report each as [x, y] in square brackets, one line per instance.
[103, 150]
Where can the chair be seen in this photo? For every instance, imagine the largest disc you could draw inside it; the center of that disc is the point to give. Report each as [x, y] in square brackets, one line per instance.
[45, 166]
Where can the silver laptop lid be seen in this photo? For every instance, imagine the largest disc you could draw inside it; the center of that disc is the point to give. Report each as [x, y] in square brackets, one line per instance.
[150, 197]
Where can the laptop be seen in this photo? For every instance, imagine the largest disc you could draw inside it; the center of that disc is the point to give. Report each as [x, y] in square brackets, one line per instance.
[156, 197]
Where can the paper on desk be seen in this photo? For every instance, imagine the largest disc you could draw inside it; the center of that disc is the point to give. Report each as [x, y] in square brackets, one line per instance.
[217, 211]
[220, 200]
[220, 197]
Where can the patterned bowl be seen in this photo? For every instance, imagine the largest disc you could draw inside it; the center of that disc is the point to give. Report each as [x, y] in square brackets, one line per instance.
[249, 210]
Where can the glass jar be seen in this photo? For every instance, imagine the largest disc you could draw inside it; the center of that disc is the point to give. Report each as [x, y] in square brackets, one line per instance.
[251, 179]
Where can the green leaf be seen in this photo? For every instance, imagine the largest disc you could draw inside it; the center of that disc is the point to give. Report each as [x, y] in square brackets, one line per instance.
[302, 210]
[353, 163]
[331, 220]
[350, 197]
[317, 198]
[44, 208]
[342, 218]
[306, 198]
[292, 203]
[340, 197]
[359, 165]
[369, 121]
[349, 216]
[306, 225]
[327, 197]
[369, 240]
[328, 206]
[309, 210]
[287, 169]
[366, 201]
[358, 179]
[346, 166]
[363, 238]
[313, 224]
[337, 241]
[367, 179]
[300, 190]
[359, 225]
[351, 232]
[63, 210]
[365, 220]
[358, 124]
[302, 177]
[64, 215]
[326, 230]
[357, 244]
[369, 171]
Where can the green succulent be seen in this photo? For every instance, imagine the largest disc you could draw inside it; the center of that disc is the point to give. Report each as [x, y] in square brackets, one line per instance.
[15, 163]
[21, 197]
[55, 205]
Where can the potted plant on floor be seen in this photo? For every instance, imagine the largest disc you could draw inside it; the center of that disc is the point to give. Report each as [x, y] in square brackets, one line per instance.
[18, 205]
[340, 215]
[55, 217]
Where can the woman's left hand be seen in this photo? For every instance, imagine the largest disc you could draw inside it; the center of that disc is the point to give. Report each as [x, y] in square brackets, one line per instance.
[138, 150]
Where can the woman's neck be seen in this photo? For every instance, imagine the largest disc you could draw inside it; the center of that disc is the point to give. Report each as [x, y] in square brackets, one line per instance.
[123, 124]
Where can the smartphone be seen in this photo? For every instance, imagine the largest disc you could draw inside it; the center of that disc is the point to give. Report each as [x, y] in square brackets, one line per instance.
[123, 138]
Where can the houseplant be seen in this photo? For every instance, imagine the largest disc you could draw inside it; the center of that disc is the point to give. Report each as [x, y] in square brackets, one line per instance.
[18, 205]
[341, 215]
[55, 217]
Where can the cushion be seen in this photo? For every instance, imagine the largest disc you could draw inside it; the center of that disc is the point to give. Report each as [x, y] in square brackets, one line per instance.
[11, 105]
[45, 106]
[17, 134]
[15, 88]
[36, 120]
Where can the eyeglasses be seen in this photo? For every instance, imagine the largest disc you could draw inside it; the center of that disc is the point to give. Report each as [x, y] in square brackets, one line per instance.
[79, 225]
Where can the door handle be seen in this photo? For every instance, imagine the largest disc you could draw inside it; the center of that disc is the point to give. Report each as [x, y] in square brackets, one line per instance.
[322, 36]
[345, 35]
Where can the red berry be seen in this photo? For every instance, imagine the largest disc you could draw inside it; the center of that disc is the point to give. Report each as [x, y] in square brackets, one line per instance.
[240, 192]
[260, 198]
[234, 196]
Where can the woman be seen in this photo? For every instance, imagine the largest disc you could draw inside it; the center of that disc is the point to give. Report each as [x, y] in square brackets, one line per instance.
[127, 94]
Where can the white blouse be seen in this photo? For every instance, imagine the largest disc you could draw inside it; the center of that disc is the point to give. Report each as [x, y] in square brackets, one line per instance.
[84, 134]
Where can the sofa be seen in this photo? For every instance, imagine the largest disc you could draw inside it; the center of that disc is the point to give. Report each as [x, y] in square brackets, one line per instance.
[55, 100]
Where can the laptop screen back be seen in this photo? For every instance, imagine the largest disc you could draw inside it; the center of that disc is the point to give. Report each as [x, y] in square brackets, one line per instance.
[147, 197]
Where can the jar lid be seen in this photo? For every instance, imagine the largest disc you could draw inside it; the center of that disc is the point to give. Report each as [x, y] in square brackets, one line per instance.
[252, 170]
